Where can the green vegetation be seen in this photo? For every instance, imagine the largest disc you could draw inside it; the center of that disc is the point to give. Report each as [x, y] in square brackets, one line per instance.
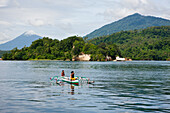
[47, 48]
[152, 43]
[3, 52]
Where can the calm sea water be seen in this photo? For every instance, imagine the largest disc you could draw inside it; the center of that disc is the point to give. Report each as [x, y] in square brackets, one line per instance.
[120, 87]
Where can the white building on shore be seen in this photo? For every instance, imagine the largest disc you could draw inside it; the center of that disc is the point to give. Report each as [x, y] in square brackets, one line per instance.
[122, 59]
[119, 59]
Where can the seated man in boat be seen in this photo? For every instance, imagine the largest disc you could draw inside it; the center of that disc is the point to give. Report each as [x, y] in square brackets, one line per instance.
[72, 75]
[62, 73]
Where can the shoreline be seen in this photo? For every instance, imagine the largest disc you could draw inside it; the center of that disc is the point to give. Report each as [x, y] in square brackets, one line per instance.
[78, 61]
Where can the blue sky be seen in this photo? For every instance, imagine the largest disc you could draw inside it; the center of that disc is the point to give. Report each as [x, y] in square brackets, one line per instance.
[63, 18]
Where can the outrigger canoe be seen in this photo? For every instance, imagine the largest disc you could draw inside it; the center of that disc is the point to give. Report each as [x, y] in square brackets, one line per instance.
[77, 80]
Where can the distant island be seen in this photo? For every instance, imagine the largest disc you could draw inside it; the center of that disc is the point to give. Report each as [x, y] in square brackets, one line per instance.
[148, 44]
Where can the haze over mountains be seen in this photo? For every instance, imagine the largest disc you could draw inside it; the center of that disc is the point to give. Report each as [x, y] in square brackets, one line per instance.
[24, 39]
[131, 22]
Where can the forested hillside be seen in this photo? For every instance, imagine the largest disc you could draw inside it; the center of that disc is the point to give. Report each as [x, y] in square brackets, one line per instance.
[47, 48]
[131, 22]
[152, 43]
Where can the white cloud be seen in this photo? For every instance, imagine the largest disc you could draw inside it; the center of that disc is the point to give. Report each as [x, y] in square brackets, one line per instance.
[36, 22]
[134, 3]
[3, 3]
[4, 23]
[4, 37]
[124, 8]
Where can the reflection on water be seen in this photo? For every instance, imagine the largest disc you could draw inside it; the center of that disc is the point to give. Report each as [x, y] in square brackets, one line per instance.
[131, 87]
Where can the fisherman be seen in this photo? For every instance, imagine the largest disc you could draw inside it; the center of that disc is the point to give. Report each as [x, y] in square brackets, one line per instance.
[62, 73]
[72, 75]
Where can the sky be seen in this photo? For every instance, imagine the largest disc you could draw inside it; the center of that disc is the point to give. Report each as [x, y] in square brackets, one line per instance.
[59, 19]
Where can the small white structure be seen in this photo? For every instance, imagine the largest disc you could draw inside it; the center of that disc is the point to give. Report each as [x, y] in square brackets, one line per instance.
[120, 59]
[84, 57]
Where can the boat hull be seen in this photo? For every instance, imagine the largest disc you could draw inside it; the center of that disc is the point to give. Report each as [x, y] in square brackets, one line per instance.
[66, 79]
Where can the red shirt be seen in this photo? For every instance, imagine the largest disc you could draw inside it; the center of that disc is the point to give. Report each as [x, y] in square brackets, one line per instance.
[62, 74]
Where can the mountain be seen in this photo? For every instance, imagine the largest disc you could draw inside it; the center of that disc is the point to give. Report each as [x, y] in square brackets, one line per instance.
[24, 39]
[131, 22]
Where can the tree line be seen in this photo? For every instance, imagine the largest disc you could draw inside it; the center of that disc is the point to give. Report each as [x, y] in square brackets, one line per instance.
[47, 48]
